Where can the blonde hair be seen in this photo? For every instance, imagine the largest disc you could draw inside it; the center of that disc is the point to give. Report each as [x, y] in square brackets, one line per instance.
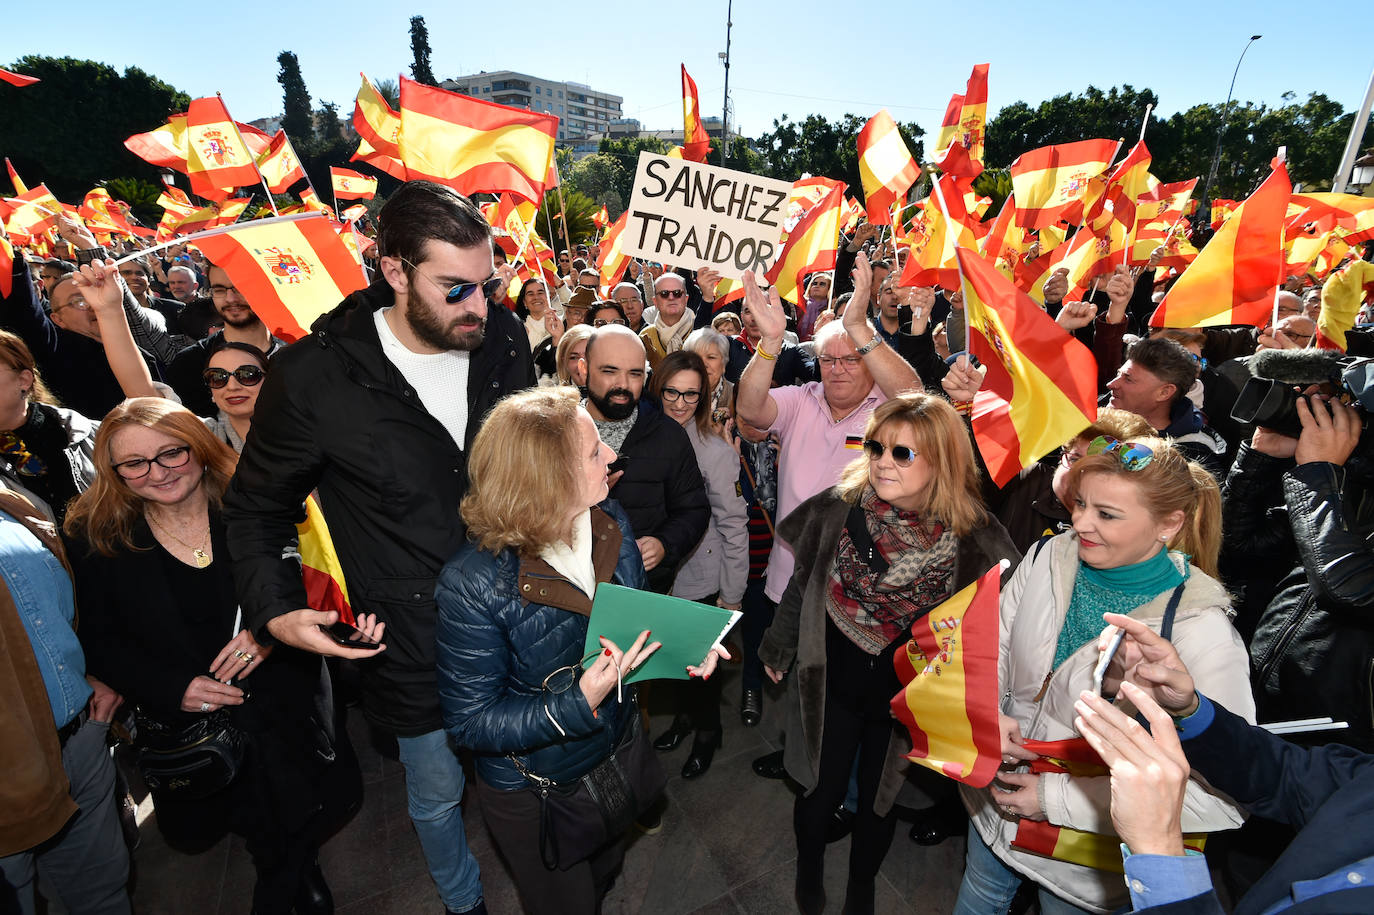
[523, 471]
[953, 494]
[1118, 424]
[1169, 483]
[15, 353]
[104, 515]
[571, 337]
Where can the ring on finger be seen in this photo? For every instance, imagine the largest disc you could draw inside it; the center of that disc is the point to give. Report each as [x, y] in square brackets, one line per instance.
[238, 654]
[249, 657]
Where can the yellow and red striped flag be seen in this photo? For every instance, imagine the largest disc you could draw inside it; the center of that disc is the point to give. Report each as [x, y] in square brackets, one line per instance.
[375, 120]
[886, 168]
[313, 203]
[1156, 213]
[696, 143]
[17, 79]
[948, 672]
[601, 218]
[1006, 243]
[474, 146]
[811, 246]
[216, 214]
[380, 161]
[280, 166]
[1354, 216]
[1234, 279]
[963, 128]
[947, 227]
[1094, 250]
[352, 185]
[321, 571]
[34, 211]
[1129, 181]
[612, 261]
[293, 269]
[1222, 210]
[164, 146]
[1041, 384]
[1049, 182]
[806, 193]
[6, 267]
[217, 159]
[102, 213]
[19, 185]
[1342, 294]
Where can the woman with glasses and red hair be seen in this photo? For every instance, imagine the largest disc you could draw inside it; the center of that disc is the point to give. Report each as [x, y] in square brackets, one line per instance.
[1146, 532]
[903, 531]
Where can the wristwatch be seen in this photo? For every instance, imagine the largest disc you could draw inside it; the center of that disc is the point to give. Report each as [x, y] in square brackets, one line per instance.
[870, 346]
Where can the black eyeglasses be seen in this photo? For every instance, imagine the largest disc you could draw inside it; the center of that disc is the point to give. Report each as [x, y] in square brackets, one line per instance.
[247, 375]
[138, 468]
[460, 291]
[902, 456]
[674, 394]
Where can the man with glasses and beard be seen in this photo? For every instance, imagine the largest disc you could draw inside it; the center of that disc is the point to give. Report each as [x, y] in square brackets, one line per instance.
[377, 409]
[658, 482]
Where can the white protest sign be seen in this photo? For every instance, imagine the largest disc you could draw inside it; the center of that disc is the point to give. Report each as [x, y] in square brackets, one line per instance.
[692, 215]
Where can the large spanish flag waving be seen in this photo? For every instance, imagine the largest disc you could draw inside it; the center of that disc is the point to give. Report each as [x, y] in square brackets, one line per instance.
[350, 185]
[696, 142]
[217, 158]
[375, 120]
[280, 166]
[1234, 278]
[959, 144]
[291, 269]
[885, 167]
[612, 261]
[1049, 182]
[948, 699]
[812, 245]
[1041, 384]
[947, 226]
[474, 146]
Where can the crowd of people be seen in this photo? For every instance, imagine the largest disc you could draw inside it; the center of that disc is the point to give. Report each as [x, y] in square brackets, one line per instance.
[486, 456]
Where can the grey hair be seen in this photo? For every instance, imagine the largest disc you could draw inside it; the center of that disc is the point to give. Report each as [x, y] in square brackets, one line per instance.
[707, 336]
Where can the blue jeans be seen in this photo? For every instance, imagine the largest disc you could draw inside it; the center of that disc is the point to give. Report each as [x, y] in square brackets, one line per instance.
[434, 788]
[989, 885]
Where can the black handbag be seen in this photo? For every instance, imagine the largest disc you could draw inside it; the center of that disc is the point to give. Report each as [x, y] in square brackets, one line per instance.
[192, 762]
[578, 817]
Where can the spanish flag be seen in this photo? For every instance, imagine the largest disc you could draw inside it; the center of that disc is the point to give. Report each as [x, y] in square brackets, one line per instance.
[1353, 216]
[1041, 384]
[321, 571]
[1156, 214]
[164, 146]
[811, 246]
[6, 267]
[696, 143]
[1006, 243]
[1049, 183]
[1234, 279]
[1094, 250]
[350, 185]
[19, 185]
[216, 214]
[963, 128]
[885, 167]
[217, 158]
[280, 166]
[601, 217]
[380, 161]
[612, 261]
[1222, 210]
[33, 212]
[946, 228]
[948, 671]
[1341, 298]
[17, 79]
[375, 121]
[293, 268]
[102, 213]
[806, 193]
[474, 146]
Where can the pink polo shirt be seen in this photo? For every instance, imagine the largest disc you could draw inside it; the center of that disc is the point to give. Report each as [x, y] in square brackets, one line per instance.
[811, 458]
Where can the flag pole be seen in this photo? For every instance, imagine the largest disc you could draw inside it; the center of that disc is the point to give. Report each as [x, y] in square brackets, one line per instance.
[1146, 122]
[218, 230]
[561, 209]
[261, 177]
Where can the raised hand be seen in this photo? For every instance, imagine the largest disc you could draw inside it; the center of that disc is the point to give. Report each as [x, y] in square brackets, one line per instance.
[767, 311]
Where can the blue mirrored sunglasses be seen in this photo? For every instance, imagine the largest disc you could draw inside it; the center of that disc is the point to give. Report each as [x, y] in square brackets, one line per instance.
[1133, 456]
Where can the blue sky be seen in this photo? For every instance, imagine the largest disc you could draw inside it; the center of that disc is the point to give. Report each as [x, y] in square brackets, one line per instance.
[796, 58]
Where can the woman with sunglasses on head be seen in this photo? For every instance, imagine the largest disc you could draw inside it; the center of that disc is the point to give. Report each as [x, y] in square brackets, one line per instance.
[1146, 531]
[161, 625]
[514, 605]
[903, 531]
[717, 570]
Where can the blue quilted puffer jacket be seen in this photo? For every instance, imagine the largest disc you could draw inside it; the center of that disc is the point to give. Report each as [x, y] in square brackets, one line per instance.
[494, 651]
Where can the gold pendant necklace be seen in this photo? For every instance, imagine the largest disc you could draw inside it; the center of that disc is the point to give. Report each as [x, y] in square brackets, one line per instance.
[201, 557]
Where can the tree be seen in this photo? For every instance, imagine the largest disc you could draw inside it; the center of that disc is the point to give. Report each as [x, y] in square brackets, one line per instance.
[296, 118]
[140, 195]
[580, 209]
[389, 90]
[419, 47]
[818, 146]
[68, 130]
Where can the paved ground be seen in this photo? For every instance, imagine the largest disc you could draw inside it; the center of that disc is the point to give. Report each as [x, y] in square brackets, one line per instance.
[726, 847]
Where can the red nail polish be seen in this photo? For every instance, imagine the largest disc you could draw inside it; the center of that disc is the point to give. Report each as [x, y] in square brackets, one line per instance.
[608, 652]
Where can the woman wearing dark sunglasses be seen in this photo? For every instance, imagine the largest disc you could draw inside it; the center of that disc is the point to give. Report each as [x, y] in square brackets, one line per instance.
[903, 531]
[1145, 537]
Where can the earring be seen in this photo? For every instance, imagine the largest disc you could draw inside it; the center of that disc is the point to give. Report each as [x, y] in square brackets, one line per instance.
[1163, 539]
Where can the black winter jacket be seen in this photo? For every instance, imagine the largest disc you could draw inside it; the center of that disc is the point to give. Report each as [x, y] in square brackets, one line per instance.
[336, 414]
[1313, 653]
[662, 492]
[496, 646]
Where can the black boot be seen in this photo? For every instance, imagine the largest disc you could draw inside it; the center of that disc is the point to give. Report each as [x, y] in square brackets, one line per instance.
[669, 739]
[313, 897]
[704, 747]
[751, 708]
[810, 891]
[858, 898]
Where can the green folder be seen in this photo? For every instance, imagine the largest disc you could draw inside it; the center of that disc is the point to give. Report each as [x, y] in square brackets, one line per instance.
[686, 628]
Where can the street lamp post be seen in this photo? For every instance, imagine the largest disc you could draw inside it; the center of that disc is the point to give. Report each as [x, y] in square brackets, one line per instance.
[725, 108]
[1225, 111]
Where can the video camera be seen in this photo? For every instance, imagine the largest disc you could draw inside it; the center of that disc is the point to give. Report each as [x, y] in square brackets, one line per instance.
[1270, 398]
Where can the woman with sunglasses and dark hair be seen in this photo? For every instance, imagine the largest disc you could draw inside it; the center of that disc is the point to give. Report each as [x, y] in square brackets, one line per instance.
[233, 370]
[1145, 537]
[903, 531]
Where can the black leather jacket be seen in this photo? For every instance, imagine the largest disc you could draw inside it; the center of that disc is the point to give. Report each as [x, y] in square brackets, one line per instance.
[1313, 652]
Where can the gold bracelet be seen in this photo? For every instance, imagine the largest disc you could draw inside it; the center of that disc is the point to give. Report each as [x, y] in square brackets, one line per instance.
[760, 351]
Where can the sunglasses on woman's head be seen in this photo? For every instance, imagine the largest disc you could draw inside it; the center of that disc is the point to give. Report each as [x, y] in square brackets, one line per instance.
[1133, 456]
[902, 456]
[247, 375]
